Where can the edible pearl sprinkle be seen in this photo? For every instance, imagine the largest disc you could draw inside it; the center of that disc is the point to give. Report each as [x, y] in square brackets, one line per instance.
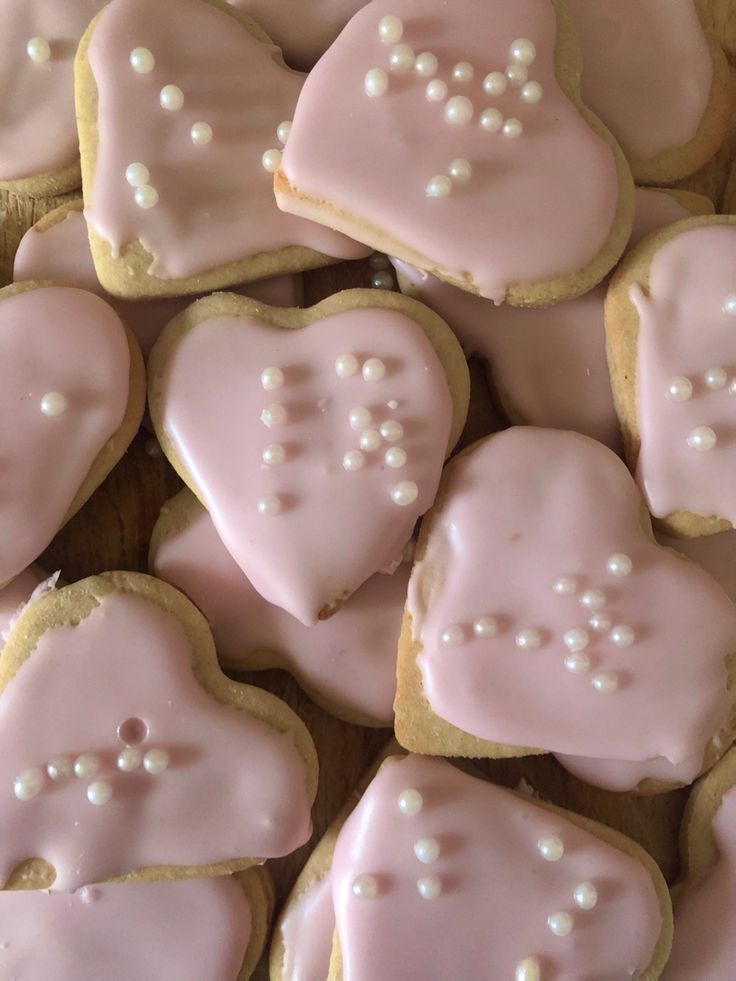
[274, 415]
[353, 460]
[137, 174]
[702, 438]
[528, 970]
[495, 83]
[376, 82]
[391, 430]
[605, 682]
[395, 457]
[439, 187]
[401, 59]
[512, 128]
[517, 74]
[560, 924]
[272, 378]
[86, 766]
[679, 389]
[491, 120]
[715, 378]
[156, 761]
[426, 64]
[38, 49]
[551, 848]
[99, 792]
[370, 441]
[273, 455]
[427, 850]
[453, 634]
[619, 564]
[271, 160]
[729, 305]
[463, 72]
[436, 91]
[600, 622]
[576, 640]
[390, 29]
[622, 635]
[142, 60]
[410, 802]
[171, 97]
[283, 131]
[346, 365]
[592, 599]
[382, 280]
[146, 196]
[60, 768]
[269, 506]
[28, 784]
[522, 51]
[528, 639]
[365, 887]
[585, 895]
[532, 93]
[565, 584]
[578, 663]
[404, 493]
[373, 370]
[201, 134]
[459, 110]
[129, 759]
[429, 887]
[485, 627]
[53, 404]
[359, 418]
[460, 170]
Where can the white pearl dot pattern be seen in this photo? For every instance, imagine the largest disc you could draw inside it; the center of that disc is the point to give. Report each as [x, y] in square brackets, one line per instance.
[171, 97]
[156, 761]
[528, 639]
[404, 493]
[453, 634]
[605, 682]
[560, 924]
[460, 171]
[38, 49]
[86, 766]
[365, 887]
[551, 848]
[585, 895]
[53, 404]
[463, 73]
[532, 93]
[346, 365]
[99, 792]
[485, 627]
[622, 635]
[564, 585]
[427, 850]
[439, 186]
[522, 51]
[370, 441]
[60, 768]
[269, 506]
[28, 784]
[353, 460]
[283, 131]
[142, 61]
[146, 196]
[679, 389]
[273, 455]
[517, 74]
[410, 802]
[271, 160]
[201, 133]
[129, 759]
[619, 564]
[459, 110]
[436, 90]
[429, 887]
[272, 378]
[391, 430]
[374, 370]
[426, 64]
[360, 417]
[592, 599]
[512, 129]
[495, 83]
[375, 83]
[395, 457]
[702, 438]
[137, 174]
[401, 59]
[578, 663]
[576, 639]
[491, 120]
[274, 415]
[715, 378]
[390, 29]
[528, 970]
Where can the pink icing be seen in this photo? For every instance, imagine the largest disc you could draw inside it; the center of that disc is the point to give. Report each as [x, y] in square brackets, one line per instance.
[38, 125]
[61, 253]
[350, 659]
[705, 916]
[555, 504]
[306, 933]
[716, 554]
[235, 787]
[521, 217]
[188, 930]
[53, 340]
[496, 889]
[215, 201]
[335, 528]
[685, 331]
[648, 70]
[14, 595]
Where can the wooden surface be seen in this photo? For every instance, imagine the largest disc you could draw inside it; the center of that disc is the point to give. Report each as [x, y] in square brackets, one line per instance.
[113, 530]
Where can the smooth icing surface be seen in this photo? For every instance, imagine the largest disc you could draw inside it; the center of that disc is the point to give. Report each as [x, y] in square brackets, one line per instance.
[188, 930]
[522, 510]
[306, 933]
[335, 527]
[234, 786]
[647, 70]
[53, 340]
[216, 201]
[716, 554]
[496, 889]
[685, 331]
[350, 659]
[38, 125]
[705, 916]
[521, 217]
[62, 253]
[14, 595]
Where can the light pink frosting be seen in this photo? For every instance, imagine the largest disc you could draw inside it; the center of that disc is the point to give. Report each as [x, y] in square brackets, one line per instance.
[716, 554]
[307, 931]
[38, 125]
[705, 916]
[62, 253]
[234, 787]
[14, 595]
[523, 509]
[685, 331]
[336, 528]
[647, 70]
[215, 204]
[496, 889]
[53, 340]
[189, 930]
[522, 216]
[349, 660]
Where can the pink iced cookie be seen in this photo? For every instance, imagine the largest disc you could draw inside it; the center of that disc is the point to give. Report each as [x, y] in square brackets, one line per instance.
[348, 662]
[71, 399]
[314, 438]
[305, 934]
[542, 614]
[437, 874]
[126, 749]
[178, 193]
[452, 149]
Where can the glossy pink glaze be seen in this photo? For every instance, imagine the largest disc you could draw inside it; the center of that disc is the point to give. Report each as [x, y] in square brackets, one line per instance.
[189, 930]
[53, 340]
[14, 595]
[683, 330]
[496, 889]
[336, 528]
[716, 554]
[307, 931]
[374, 157]
[234, 787]
[647, 70]
[216, 201]
[705, 916]
[38, 125]
[61, 253]
[524, 508]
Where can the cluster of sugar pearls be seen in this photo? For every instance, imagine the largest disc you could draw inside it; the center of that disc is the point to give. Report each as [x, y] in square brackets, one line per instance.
[271, 159]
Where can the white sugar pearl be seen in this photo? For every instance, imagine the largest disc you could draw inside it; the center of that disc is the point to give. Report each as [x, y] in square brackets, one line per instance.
[382, 280]
[605, 682]
[550, 848]
[576, 639]
[564, 585]
[454, 634]
[156, 761]
[346, 365]
[578, 663]
[201, 133]
[401, 59]
[86, 766]
[38, 49]
[528, 639]
[427, 850]
[528, 970]
[365, 887]
[679, 389]
[137, 174]
[395, 457]
[273, 455]
[274, 415]
[522, 51]
[560, 924]
[485, 627]
[512, 128]
[436, 90]
[439, 187]
[60, 768]
[53, 404]
[99, 792]
[129, 759]
[429, 887]
[142, 61]
[390, 29]
[359, 418]
[592, 599]
[391, 430]
[495, 83]
[426, 64]
[146, 196]
[619, 564]
[729, 305]
[373, 370]
[272, 378]
[622, 635]
[585, 895]
[600, 622]
[269, 506]
[404, 493]
[271, 160]
[283, 131]
[463, 72]
[460, 170]
[459, 110]
[29, 783]
[532, 93]
[491, 120]
[171, 97]
[353, 460]
[410, 802]
[702, 438]
[376, 83]
[715, 378]
[517, 74]
[370, 440]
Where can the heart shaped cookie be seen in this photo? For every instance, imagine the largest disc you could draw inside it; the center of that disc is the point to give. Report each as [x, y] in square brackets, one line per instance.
[541, 613]
[127, 752]
[72, 392]
[178, 193]
[315, 438]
